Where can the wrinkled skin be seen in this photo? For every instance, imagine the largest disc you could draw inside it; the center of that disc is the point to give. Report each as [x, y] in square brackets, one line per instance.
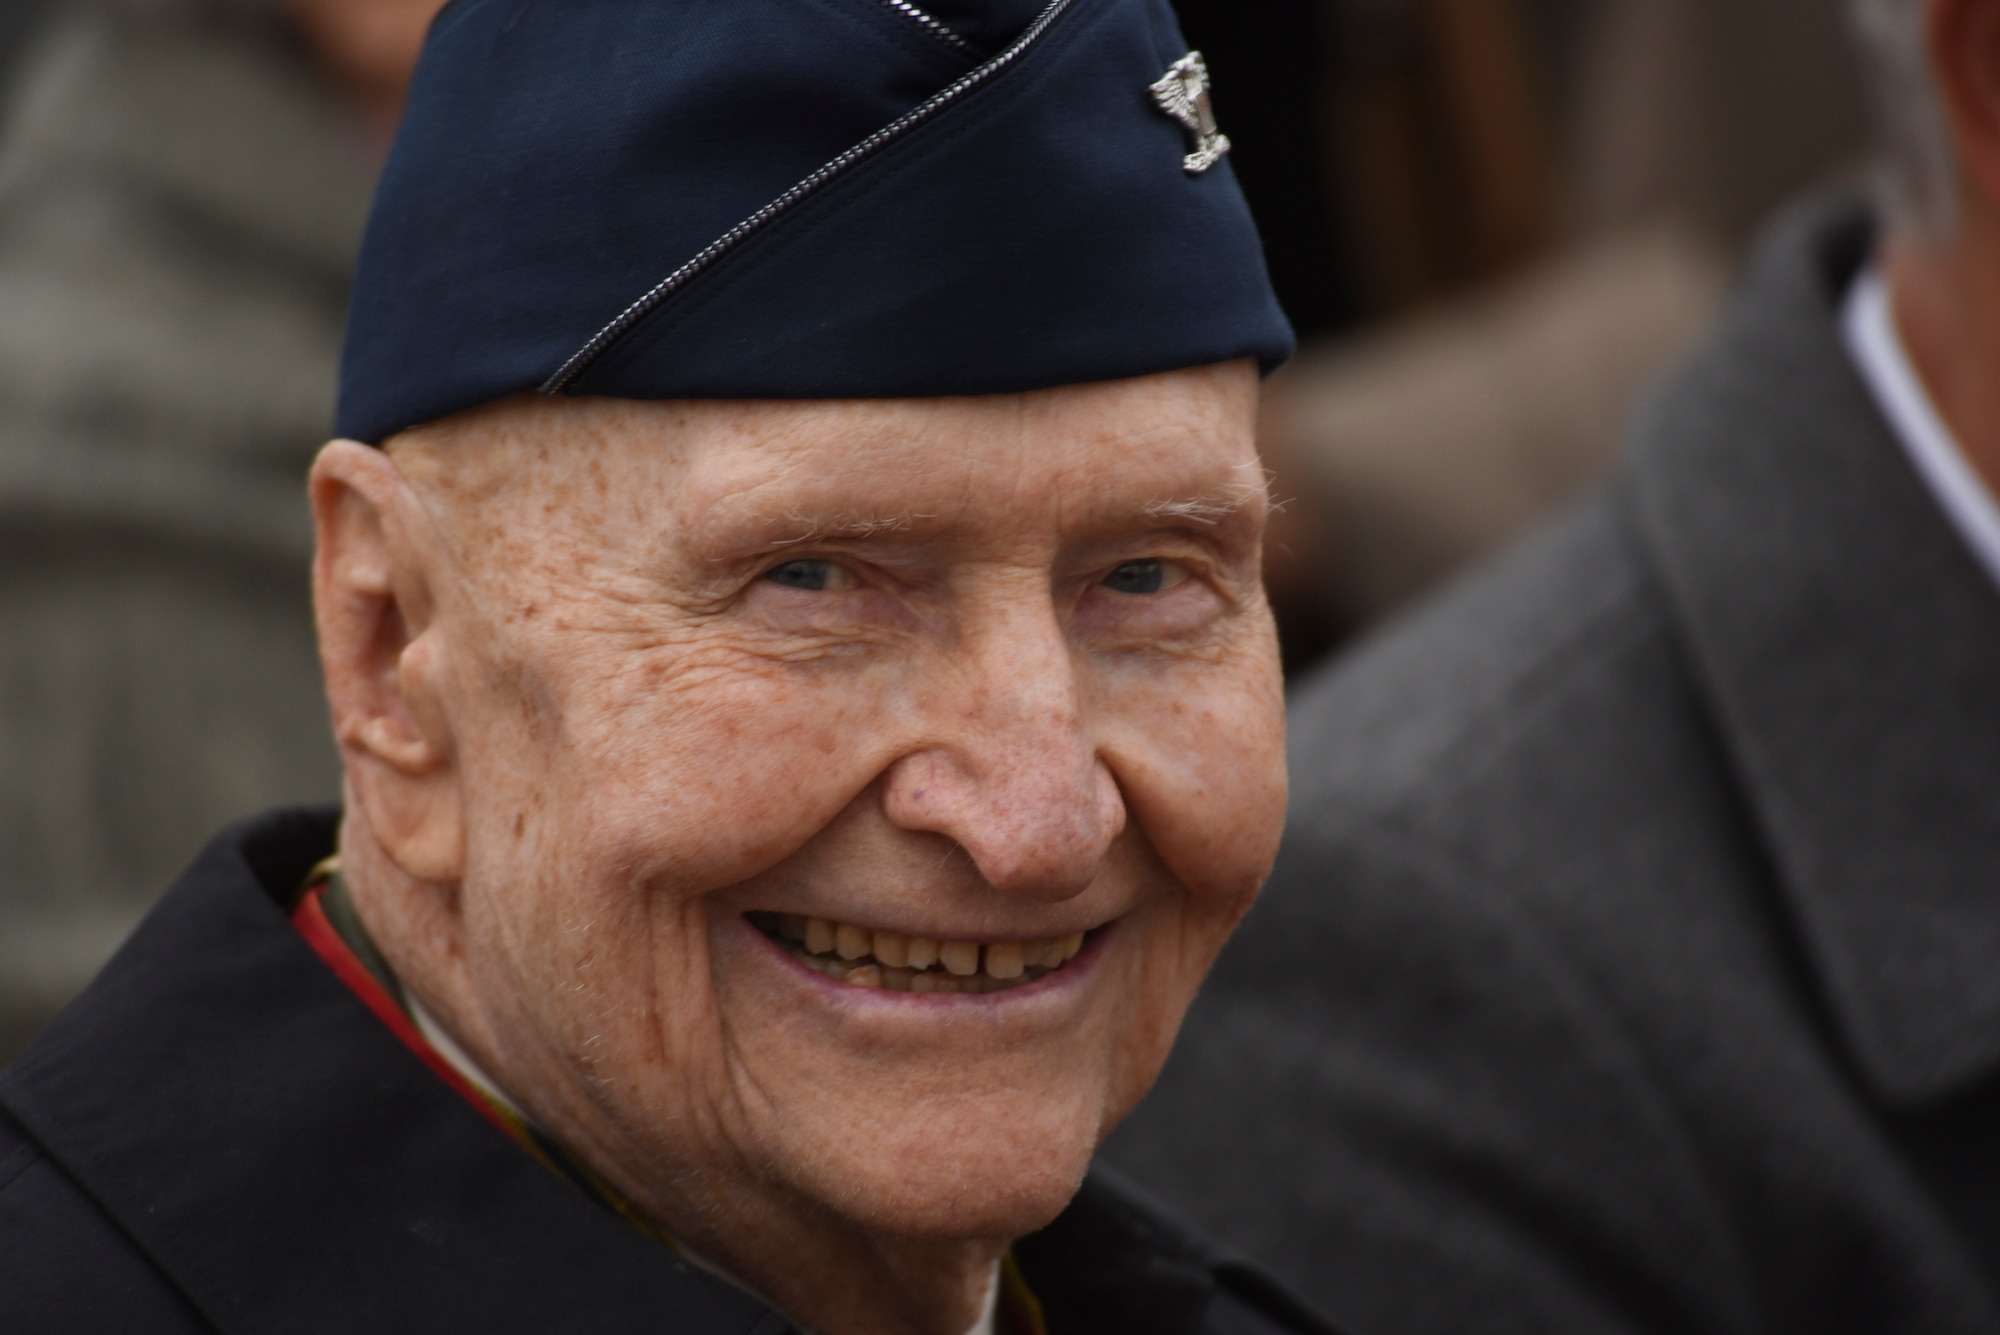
[586, 732]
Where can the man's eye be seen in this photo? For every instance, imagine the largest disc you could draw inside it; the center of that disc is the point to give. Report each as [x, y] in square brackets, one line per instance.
[815, 576]
[1148, 576]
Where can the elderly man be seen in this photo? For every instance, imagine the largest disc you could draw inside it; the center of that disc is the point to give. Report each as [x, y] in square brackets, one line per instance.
[808, 710]
[1635, 957]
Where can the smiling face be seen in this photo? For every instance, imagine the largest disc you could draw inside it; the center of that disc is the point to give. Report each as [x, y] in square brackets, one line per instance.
[812, 812]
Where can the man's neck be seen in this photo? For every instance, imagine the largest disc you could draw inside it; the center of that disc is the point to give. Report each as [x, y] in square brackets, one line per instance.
[1945, 298]
[838, 1279]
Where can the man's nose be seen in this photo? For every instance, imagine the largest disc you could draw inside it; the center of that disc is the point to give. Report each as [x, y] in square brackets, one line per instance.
[1011, 774]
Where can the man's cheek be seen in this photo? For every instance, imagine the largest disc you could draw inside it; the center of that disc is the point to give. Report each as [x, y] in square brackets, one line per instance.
[711, 796]
[1204, 776]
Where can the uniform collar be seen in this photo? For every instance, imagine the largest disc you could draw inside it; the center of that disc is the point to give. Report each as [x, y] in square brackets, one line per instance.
[292, 1165]
[1851, 645]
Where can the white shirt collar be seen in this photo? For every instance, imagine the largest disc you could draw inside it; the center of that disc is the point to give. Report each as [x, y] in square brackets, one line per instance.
[457, 1057]
[1868, 326]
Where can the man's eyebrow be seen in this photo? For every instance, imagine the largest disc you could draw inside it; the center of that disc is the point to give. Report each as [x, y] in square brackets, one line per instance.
[795, 526]
[822, 528]
[1217, 504]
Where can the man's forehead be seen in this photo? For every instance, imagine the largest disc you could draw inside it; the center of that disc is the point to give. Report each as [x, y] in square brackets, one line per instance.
[726, 477]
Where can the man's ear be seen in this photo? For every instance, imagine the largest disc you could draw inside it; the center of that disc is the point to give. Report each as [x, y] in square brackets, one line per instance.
[1964, 37]
[383, 653]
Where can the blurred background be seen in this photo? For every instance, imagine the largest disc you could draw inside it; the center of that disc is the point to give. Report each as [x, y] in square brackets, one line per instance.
[1495, 223]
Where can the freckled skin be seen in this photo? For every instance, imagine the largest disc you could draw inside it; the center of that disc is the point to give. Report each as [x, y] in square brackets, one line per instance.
[584, 735]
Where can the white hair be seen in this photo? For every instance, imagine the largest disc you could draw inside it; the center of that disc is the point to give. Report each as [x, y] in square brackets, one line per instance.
[1920, 164]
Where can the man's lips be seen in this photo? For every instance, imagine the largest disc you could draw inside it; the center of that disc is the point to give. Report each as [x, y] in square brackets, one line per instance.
[864, 958]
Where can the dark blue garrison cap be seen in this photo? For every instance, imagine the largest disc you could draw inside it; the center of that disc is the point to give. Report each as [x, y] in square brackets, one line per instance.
[659, 199]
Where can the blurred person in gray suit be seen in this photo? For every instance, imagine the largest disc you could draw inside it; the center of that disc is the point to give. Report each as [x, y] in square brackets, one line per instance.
[1658, 135]
[1634, 960]
[182, 185]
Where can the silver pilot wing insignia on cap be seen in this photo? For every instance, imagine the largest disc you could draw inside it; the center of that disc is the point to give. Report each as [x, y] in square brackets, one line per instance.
[1182, 93]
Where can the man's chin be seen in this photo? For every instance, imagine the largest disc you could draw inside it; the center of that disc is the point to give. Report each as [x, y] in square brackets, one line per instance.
[992, 1208]
[955, 1183]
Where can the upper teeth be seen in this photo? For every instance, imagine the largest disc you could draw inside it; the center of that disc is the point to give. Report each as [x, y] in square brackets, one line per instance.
[867, 958]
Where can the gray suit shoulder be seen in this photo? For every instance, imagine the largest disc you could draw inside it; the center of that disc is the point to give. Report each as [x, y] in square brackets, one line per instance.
[1412, 713]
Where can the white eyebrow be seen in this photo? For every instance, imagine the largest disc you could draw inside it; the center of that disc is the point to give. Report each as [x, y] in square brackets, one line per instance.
[848, 526]
[1215, 506]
